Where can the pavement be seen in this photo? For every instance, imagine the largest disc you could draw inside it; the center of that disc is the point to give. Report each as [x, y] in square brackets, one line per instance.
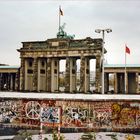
[99, 136]
[77, 136]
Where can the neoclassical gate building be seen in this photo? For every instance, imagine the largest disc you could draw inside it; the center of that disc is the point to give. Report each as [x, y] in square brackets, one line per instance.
[40, 62]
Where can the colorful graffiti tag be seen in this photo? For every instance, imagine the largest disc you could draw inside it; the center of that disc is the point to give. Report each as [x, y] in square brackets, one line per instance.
[9, 111]
[125, 114]
[50, 116]
[102, 114]
[33, 110]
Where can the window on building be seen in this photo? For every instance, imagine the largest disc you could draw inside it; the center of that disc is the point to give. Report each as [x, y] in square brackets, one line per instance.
[42, 63]
[73, 63]
[55, 63]
[42, 71]
[30, 63]
[87, 71]
[87, 63]
[29, 71]
[55, 71]
[73, 71]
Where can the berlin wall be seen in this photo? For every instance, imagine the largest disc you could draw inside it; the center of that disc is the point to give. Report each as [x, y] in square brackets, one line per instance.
[112, 115]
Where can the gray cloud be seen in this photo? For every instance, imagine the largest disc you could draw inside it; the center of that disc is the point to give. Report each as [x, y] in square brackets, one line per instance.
[38, 20]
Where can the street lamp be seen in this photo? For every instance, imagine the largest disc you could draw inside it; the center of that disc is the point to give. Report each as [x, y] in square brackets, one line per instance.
[103, 33]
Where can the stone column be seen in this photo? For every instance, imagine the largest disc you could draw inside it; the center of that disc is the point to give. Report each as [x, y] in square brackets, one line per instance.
[11, 82]
[115, 83]
[137, 82]
[54, 75]
[98, 74]
[73, 71]
[35, 73]
[38, 76]
[84, 75]
[0, 81]
[67, 75]
[16, 85]
[26, 81]
[106, 84]
[121, 80]
[7, 81]
[42, 74]
[22, 75]
[70, 77]
[3, 81]
[6, 77]
[48, 79]
[46, 68]
[126, 83]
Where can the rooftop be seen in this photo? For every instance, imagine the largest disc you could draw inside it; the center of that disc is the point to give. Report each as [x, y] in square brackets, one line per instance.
[9, 67]
[121, 65]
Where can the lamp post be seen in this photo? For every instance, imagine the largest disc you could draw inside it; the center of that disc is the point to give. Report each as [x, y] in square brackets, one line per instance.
[103, 34]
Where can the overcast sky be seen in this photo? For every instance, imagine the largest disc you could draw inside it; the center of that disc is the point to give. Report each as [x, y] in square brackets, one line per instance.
[34, 20]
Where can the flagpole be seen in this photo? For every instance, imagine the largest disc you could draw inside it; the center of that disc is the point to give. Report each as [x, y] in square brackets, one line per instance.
[125, 72]
[59, 19]
[127, 51]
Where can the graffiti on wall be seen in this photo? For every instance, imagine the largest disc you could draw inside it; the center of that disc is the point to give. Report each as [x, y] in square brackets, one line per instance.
[74, 113]
[138, 119]
[9, 111]
[101, 114]
[42, 111]
[33, 109]
[50, 115]
[125, 114]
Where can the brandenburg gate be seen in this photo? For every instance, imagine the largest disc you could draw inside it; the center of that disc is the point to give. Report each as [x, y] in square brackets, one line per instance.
[40, 62]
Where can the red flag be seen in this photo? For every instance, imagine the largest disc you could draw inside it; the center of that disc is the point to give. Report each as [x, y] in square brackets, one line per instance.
[127, 50]
[60, 11]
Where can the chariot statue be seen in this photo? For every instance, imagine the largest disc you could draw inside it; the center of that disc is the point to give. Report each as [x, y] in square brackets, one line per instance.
[62, 34]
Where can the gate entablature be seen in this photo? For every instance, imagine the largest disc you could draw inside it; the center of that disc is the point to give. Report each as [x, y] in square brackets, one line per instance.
[62, 48]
